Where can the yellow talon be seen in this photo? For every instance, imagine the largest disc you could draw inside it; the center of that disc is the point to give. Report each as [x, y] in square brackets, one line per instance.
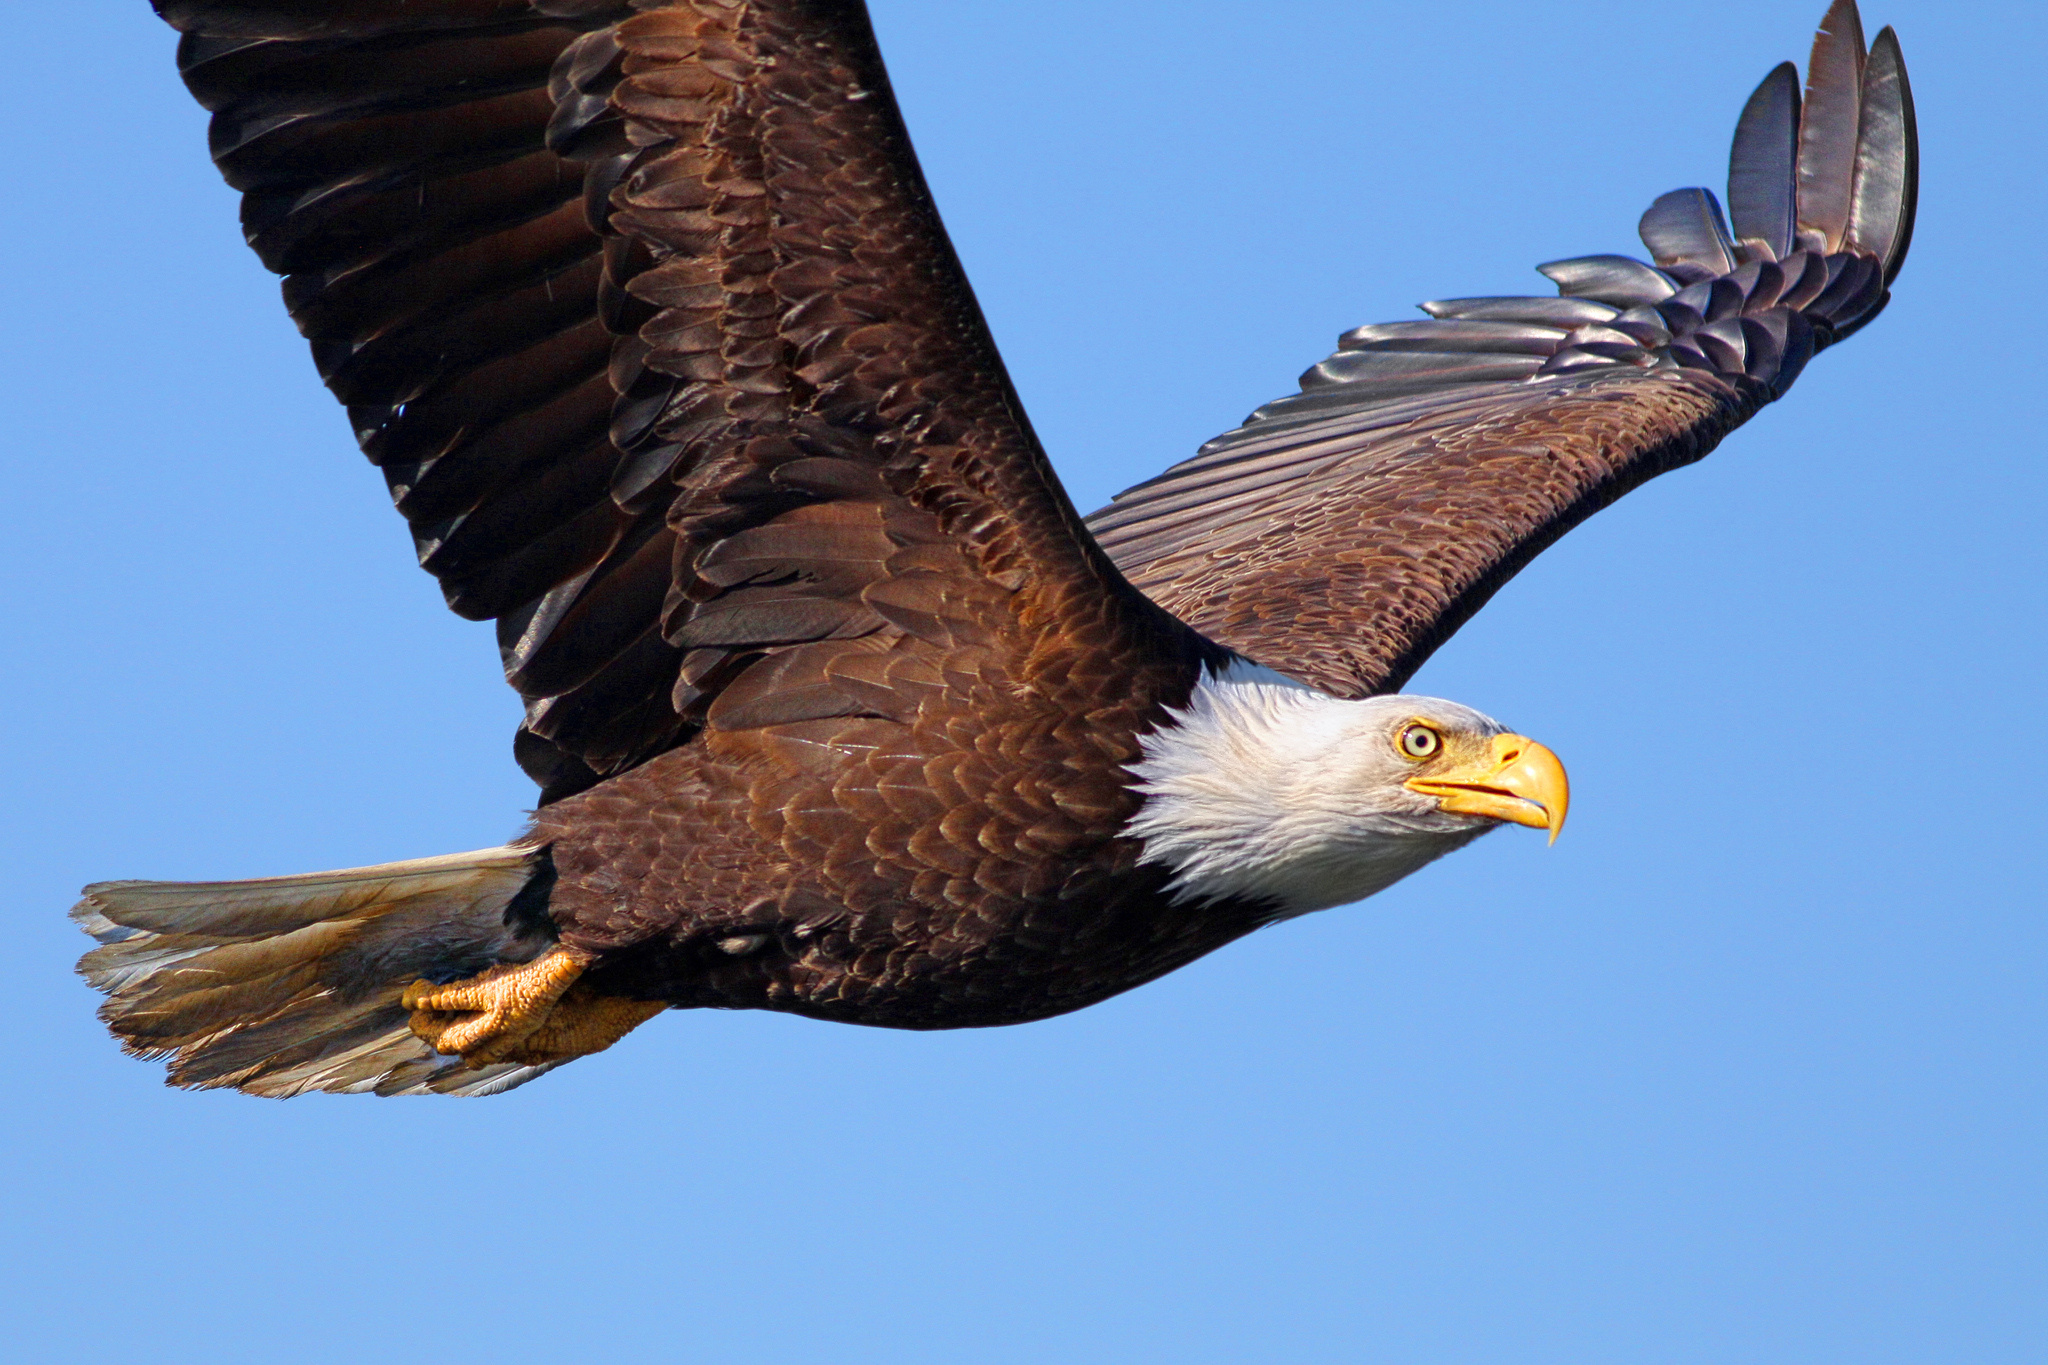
[488, 1015]
[529, 1013]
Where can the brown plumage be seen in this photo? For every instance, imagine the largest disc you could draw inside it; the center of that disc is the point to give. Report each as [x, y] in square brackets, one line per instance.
[646, 315]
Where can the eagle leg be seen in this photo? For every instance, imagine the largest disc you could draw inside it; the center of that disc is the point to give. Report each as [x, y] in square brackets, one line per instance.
[528, 1013]
[582, 1022]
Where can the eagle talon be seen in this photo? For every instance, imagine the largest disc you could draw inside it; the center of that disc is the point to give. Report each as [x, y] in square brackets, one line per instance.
[486, 1017]
[532, 1013]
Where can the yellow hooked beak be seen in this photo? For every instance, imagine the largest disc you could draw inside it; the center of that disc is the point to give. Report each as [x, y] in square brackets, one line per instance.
[1518, 780]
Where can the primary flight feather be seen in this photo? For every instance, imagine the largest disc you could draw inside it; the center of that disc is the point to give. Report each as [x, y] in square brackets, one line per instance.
[837, 707]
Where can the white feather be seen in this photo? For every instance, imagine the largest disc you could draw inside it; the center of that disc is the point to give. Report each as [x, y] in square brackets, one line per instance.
[1277, 792]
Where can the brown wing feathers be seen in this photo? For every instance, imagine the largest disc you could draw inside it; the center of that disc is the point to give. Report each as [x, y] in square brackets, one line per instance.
[1343, 532]
[809, 399]
[392, 167]
[645, 313]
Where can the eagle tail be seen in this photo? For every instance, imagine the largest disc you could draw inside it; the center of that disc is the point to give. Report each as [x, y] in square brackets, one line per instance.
[287, 984]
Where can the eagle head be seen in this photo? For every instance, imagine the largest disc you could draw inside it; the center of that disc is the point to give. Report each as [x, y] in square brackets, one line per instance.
[1273, 792]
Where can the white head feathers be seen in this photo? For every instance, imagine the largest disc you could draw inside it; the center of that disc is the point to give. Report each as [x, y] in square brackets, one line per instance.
[1272, 790]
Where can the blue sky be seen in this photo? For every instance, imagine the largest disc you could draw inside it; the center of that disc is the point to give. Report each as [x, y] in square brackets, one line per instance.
[1748, 1067]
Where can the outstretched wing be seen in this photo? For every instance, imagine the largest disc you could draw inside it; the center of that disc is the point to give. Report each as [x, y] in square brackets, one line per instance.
[1344, 532]
[645, 313]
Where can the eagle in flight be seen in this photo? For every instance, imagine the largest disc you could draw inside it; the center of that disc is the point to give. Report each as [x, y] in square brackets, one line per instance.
[837, 707]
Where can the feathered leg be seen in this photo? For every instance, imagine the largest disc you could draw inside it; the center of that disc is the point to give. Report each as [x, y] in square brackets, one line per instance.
[582, 1022]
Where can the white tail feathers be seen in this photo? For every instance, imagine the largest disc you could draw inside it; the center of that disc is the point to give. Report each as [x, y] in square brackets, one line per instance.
[289, 984]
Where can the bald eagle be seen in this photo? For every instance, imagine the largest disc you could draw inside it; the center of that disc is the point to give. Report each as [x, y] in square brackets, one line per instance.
[836, 705]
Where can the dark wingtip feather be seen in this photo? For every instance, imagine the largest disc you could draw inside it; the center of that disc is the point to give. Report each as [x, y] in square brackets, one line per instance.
[1685, 227]
[1763, 164]
[1828, 124]
[1618, 280]
[318, 19]
[1887, 160]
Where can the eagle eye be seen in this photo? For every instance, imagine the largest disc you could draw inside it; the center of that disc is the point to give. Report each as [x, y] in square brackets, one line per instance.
[1419, 741]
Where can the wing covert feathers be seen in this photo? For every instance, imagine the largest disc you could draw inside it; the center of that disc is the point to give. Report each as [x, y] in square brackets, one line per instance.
[645, 313]
[1343, 532]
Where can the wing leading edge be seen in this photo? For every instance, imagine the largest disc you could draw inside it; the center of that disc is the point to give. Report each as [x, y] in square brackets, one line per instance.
[1343, 532]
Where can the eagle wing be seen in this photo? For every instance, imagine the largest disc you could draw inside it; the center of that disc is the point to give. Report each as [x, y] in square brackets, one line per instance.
[1343, 533]
[645, 313]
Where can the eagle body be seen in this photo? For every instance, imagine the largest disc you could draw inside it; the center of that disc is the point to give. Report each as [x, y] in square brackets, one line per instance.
[935, 875]
[962, 865]
[645, 314]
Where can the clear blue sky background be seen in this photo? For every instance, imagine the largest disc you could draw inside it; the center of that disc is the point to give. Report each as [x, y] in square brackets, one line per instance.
[1748, 1068]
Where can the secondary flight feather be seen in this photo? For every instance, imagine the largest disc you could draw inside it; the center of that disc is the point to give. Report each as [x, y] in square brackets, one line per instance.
[837, 706]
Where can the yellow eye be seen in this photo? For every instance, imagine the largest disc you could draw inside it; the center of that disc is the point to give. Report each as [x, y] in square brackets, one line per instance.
[1418, 741]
